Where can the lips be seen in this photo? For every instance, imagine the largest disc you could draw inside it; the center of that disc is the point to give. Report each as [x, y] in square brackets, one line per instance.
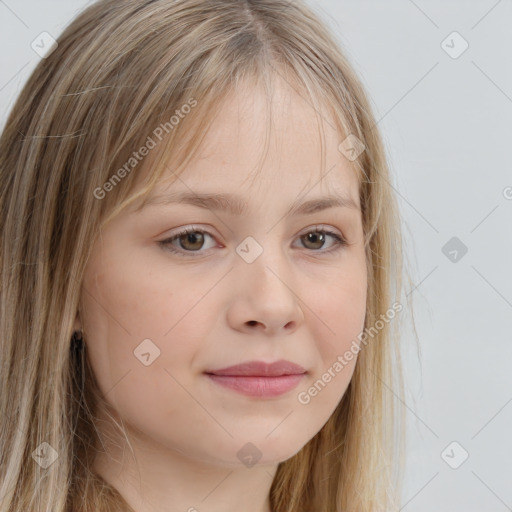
[261, 369]
[259, 379]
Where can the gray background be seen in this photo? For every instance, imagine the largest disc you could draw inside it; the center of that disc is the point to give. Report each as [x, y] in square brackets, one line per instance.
[447, 126]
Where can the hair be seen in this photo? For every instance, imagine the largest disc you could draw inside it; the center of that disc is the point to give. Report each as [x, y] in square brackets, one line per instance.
[119, 72]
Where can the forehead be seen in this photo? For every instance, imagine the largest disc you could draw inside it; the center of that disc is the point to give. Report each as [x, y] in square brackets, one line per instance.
[277, 140]
[259, 148]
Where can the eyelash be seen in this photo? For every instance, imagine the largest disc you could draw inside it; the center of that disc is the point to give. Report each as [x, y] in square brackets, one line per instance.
[339, 244]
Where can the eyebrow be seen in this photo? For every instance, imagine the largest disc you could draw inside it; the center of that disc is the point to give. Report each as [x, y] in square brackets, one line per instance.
[237, 206]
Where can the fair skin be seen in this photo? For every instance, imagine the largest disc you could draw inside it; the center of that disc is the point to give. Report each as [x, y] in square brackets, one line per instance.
[301, 300]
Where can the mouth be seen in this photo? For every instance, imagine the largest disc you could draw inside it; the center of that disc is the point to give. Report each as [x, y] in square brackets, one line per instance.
[259, 379]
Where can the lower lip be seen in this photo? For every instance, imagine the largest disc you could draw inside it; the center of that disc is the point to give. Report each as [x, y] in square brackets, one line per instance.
[258, 386]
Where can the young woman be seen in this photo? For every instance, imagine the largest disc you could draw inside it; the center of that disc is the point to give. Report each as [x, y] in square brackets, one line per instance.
[201, 270]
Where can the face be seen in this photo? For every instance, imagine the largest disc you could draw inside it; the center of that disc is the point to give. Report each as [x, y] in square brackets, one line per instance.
[259, 285]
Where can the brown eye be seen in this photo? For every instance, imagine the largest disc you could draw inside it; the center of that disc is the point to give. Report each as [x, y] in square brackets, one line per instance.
[186, 242]
[192, 241]
[315, 238]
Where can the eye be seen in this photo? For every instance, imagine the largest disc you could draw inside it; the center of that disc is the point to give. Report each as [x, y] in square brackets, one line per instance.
[191, 240]
[318, 237]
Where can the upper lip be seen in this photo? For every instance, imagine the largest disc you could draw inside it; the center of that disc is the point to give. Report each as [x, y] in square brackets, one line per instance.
[261, 369]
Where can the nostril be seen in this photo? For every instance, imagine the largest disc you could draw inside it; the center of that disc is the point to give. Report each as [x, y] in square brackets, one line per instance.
[252, 322]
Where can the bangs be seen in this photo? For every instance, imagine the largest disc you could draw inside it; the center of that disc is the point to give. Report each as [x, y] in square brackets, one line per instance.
[180, 146]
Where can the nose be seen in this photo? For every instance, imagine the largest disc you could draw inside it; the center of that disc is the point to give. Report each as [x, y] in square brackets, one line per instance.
[266, 298]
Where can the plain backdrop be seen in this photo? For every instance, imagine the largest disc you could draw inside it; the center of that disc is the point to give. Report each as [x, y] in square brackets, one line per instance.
[444, 106]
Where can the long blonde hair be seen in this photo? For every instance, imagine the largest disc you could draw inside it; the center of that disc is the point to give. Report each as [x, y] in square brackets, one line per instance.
[120, 71]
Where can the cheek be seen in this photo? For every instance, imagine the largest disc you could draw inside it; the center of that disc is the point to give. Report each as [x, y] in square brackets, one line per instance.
[341, 306]
[339, 314]
[172, 311]
[134, 314]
